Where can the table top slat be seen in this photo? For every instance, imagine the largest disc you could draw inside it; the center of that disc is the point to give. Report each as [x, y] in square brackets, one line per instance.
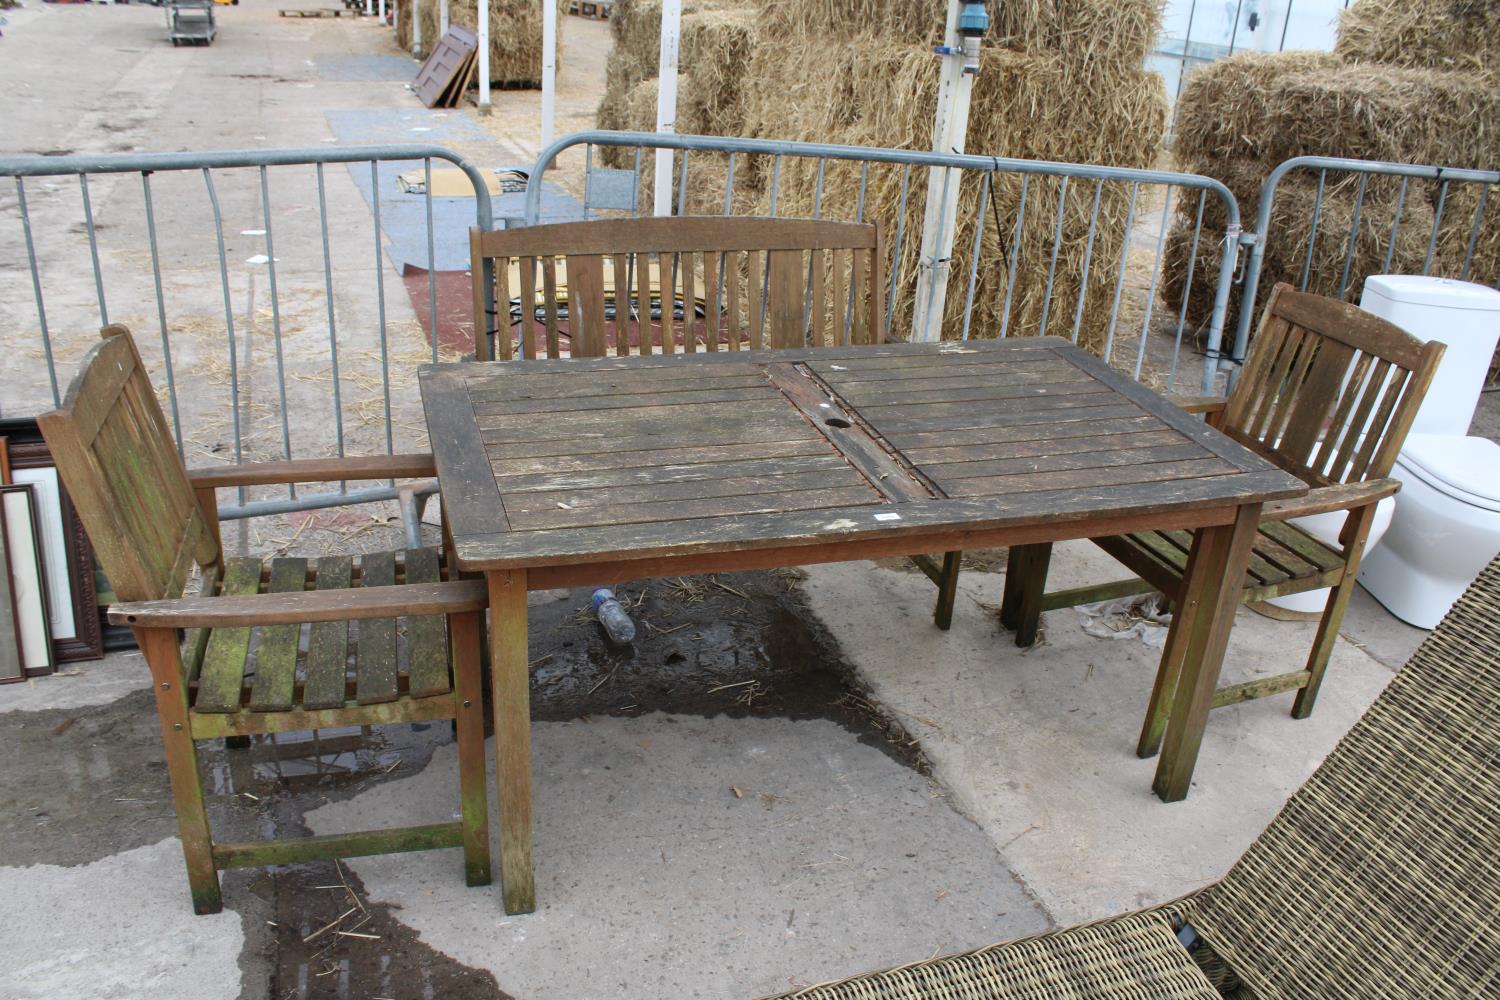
[822, 477]
[665, 459]
[1088, 479]
[664, 515]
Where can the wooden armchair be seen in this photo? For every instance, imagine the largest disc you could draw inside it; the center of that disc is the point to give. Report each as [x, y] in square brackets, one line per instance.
[1377, 879]
[763, 283]
[247, 668]
[1328, 394]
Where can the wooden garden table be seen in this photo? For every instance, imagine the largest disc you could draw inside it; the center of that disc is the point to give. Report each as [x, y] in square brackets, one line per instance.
[586, 472]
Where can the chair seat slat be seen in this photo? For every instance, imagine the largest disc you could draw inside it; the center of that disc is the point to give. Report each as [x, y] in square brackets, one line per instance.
[276, 655]
[223, 674]
[426, 635]
[328, 642]
[1305, 545]
[375, 670]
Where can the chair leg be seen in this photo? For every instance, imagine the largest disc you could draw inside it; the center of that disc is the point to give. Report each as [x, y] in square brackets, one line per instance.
[466, 636]
[1162, 690]
[942, 614]
[1025, 583]
[1356, 531]
[164, 657]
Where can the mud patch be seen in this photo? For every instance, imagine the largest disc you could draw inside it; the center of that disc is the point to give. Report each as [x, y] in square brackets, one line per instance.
[326, 939]
[83, 783]
[734, 644]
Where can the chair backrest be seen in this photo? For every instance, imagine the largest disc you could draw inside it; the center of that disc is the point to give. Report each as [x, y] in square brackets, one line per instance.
[113, 449]
[759, 283]
[1378, 878]
[1329, 391]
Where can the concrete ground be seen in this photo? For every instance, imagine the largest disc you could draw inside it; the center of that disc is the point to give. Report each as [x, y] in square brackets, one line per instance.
[792, 776]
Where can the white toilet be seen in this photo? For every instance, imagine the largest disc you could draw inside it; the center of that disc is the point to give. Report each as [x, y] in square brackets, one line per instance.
[1446, 526]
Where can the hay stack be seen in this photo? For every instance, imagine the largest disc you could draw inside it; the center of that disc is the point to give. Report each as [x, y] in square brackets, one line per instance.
[1062, 80]
[515, 35]
[1462, 35]
[1023, 107]
[1041, 99]
[1241, 116]
[718, 38]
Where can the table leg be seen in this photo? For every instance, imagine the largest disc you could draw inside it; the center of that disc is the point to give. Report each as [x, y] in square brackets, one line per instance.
[511, 687]
[1210, 597]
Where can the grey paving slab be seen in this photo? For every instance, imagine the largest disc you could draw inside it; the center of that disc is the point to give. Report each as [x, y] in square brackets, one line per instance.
[1038, 745]
[654, 878]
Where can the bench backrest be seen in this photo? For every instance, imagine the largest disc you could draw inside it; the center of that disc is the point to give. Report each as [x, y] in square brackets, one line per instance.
[713, 283]
[114, 451]
[1329, 391]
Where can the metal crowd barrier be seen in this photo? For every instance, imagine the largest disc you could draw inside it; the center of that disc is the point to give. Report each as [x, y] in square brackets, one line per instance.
[182, 204]
[1453, 244]
[334, 278]
[706, 169]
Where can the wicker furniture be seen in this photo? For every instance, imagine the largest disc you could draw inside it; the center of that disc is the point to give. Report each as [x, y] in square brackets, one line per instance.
[1377, 879]
[246, 668]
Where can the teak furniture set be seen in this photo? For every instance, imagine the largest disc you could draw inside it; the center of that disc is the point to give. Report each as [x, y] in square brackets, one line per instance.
[777, 428]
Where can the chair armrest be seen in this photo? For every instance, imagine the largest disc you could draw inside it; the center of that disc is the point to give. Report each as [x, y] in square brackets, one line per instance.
[1345, 496]
[305, 606]
[1199, 404]
[313, 470]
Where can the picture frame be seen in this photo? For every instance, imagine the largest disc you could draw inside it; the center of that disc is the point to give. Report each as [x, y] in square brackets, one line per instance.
[11, 669]
[26, 581]
[75, 618]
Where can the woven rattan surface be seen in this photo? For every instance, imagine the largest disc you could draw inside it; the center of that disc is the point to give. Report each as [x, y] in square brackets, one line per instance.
[1379, 877]
[1134, 957]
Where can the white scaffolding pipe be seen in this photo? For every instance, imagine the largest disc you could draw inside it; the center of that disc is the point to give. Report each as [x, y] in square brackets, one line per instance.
[484, 57]
[382, 11]
[549, 69]
[416, 32]
[666, 99]
[443, 17]
[950, 129]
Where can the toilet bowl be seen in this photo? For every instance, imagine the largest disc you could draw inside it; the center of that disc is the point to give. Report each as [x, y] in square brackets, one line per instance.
[1447, 521]
[1447, 531]
[1325, 528]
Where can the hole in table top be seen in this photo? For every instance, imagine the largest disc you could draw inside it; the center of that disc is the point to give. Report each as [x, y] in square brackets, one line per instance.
[836, 422]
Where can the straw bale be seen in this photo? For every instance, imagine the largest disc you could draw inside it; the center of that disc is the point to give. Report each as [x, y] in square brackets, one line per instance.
[515, 35]
[873, 92]
[403, 25]
[1121, 32]
[1223, 112]
[1459, 35]
[1241, 116]
[1386, 113]
[716, 47]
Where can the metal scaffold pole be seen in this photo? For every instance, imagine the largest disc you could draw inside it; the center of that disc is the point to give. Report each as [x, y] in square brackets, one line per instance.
[966, 24]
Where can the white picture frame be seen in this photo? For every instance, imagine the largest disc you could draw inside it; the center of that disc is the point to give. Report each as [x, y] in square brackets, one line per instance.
[28, 578]
[48, 498]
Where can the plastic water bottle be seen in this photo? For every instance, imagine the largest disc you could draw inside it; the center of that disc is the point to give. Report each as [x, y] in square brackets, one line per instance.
[617, 624]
